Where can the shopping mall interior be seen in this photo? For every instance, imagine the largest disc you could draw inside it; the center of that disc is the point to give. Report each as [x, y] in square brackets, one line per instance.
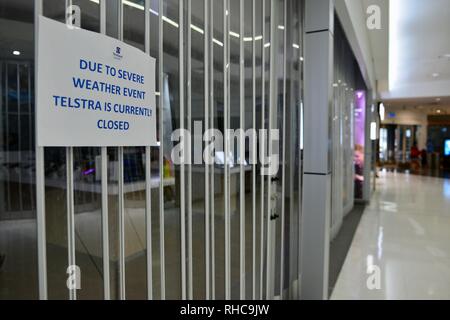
[355, 208]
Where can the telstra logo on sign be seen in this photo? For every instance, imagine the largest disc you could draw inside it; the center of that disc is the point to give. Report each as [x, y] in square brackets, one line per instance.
[117, 53]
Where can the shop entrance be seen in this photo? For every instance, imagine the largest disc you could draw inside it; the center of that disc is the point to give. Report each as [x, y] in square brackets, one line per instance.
[135, 224]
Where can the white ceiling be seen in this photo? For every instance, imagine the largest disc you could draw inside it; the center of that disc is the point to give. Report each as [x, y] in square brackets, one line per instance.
[418, 39]
[423, 105]
[405, 53]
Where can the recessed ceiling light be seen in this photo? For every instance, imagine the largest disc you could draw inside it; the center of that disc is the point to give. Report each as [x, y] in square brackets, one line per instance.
[435, 75]
[16, 52]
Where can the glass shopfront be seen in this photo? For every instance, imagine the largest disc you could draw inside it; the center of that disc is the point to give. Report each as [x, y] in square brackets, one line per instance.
[143, 226]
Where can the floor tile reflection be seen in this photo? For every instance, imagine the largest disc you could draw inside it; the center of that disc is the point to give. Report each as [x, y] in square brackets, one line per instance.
[404, 233]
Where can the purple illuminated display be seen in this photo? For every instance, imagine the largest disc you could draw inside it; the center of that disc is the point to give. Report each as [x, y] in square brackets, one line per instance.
[360, 117]
[360, 136]
[88, 171]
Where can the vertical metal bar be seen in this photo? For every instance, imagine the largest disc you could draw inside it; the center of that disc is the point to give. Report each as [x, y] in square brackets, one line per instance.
[254, 151]
[182, 173]
[19, 153]
[242, 151]
[7, 146]
[70, 216]
[211, 111]
[30, 125]
[8, 153]
[103, 16]
[206, 117]
[40, 175]
[226, 61]
[189, 126]
[148, 178]
[148, 221]
[2, 133]
[231, 152]
[268, 235]
[272, 115]
[300, 164]
[262, 146]
[122, 284]
[121, 227]
[283, 167]
[292, 139]
[120, 21]
[105, 224]
[161, 151]
[104, 179]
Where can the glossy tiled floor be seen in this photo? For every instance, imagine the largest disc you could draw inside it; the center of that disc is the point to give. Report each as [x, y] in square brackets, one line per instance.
[405, 232]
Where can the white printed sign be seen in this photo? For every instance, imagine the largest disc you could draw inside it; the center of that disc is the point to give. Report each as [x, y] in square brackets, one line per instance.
[92, 90]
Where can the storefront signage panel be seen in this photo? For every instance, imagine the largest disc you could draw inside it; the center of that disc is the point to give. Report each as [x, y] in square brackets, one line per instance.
[92, 90]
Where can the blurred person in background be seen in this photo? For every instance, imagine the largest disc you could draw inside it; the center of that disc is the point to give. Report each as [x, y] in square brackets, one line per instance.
[415, 155]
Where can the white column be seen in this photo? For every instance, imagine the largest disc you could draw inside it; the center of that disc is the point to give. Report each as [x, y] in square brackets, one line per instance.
[319, 15]
[40, 179]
